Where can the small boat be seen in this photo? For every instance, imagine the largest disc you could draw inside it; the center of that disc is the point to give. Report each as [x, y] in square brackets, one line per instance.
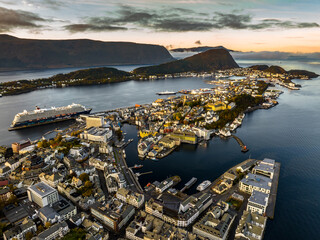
[154, 159]
[137, 166]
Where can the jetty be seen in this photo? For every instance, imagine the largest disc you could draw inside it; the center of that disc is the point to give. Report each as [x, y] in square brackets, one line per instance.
[242, 145]
[273, 192]
[189, 184]
[139, 174]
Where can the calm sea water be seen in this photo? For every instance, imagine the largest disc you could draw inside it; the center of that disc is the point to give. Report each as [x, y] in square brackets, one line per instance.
[288, 133]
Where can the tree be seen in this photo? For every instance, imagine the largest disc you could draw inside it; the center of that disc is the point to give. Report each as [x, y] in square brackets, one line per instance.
[48, 224]
[87, 193]
[29, 235]
[84, 177]
[88, 184]
[40, 229]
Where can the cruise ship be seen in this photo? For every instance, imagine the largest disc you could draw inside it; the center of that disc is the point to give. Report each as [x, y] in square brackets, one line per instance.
[202, 186]
[44, 116]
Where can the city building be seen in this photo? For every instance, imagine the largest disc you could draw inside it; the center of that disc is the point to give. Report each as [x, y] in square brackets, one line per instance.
[114, 214]
[164, 185]
[171, 210]
[146, 226]
[18, 232]
[61, 210]
[265, 167]
[130, 197]
[94, 121]
[185, 136]
[5, 194]
[216, 224]
[42, 194]
[251, 226]
[51, 180]
[97, 134]
[255, 182]
[57, 230]
[17, 146]
[258, 202]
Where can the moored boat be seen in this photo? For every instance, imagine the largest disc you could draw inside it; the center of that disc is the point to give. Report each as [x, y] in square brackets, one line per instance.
[202, 186]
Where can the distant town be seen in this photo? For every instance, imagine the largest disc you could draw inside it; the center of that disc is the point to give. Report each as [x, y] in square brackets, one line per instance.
[77, 184]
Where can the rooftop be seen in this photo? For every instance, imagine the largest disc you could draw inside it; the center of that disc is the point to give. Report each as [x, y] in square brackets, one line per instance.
[259, 198]
[257, 181]
[42, 189]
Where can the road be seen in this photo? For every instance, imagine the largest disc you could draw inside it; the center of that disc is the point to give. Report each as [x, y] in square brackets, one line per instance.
[131, 180]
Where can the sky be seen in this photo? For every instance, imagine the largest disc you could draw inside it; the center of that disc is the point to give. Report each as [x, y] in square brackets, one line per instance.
[242, 25]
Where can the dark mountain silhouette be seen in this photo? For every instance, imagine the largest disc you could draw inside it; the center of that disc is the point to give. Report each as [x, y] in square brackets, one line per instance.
[17, 53]
[215, 59]
[199, 49]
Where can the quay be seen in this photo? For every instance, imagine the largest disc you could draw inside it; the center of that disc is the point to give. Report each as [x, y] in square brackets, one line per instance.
[273, 192]
[139, 174]
[242, 145]
[189, 184]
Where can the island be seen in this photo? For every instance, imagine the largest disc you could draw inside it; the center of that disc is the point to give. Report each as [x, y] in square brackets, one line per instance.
[212, 63]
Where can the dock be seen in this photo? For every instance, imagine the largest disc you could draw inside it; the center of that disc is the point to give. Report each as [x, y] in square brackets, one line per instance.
[189, 184]
[242, 145]
[273, 192]
[139, 174]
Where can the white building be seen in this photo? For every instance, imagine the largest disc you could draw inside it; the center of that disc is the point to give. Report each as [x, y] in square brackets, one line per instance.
[255, 182]
[42, 194]
[133, 198]
[97, 134]
[265, 168]
[56, 231]
[258, 202]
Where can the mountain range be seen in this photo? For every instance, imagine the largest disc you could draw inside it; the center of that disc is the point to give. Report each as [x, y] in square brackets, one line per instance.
[19, 54]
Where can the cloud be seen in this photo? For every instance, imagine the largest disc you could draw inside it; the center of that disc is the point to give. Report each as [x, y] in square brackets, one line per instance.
[179, 20]
[73, 28]
[11, 19]
[198, 42]
[52, 4]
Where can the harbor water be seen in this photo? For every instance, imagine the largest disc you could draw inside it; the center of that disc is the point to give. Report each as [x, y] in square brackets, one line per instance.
[288, 133]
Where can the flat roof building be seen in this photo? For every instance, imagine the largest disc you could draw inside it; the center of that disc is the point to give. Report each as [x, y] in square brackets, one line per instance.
[42, 194]
[265, 168]
[258, 202]
[255, 182]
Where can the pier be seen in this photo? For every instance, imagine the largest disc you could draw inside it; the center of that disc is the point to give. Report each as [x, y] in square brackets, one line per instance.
[242, 145]
[189, 184]
[273, 192]
[139, 174]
